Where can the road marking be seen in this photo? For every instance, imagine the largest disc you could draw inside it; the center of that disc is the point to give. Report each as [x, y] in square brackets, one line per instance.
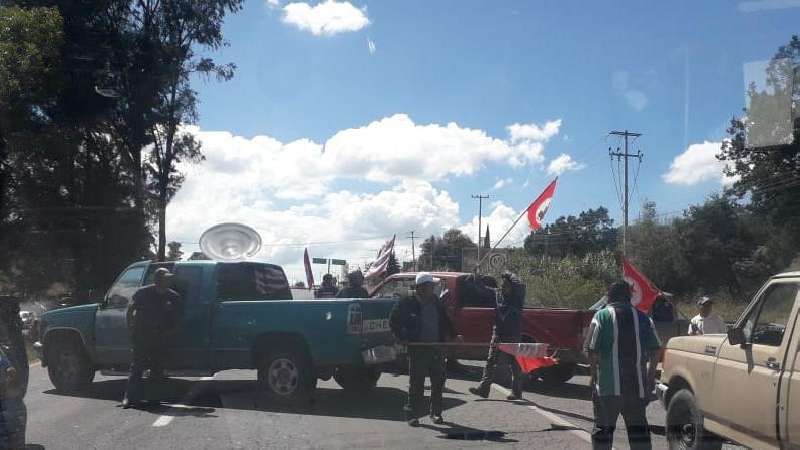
[166, 419]
[555, 419]
[35, 364]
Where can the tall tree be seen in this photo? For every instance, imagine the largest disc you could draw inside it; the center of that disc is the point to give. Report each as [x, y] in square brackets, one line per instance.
[591, 231]
[444, 252]
[393, 266]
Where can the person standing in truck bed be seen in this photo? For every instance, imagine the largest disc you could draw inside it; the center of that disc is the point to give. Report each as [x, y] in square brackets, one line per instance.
[706, 322]
[355, 289]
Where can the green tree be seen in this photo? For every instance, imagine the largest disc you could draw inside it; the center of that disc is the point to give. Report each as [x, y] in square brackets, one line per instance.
[444, 253]
[393, 266]
[591, 231]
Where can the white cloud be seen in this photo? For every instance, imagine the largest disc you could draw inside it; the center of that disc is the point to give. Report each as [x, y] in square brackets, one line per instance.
[249, 180]
[763, 5]
[636, 99]
[563, 163]
[697, 164]
[371, 46]
[521, 132]
[501, 183]
[499, 220]
[327, 18]
[272, 4]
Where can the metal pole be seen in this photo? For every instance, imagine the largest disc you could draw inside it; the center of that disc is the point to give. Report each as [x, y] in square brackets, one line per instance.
[480, 213]
[625, 228]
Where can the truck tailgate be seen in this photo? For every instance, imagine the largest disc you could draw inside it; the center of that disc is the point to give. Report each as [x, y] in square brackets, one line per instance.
[375, 322]
[561, 328]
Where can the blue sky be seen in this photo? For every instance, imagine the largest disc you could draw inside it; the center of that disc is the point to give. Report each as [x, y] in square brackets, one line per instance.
[486, 65]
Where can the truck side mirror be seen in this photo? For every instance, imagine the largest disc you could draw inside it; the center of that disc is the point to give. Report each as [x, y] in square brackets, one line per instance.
[735, 336]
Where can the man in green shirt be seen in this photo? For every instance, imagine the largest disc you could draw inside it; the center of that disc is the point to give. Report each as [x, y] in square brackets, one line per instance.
[620, 343]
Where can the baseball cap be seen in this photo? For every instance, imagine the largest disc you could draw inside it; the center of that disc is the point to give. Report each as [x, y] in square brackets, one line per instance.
[425, 277]
[162, 272]
[703, 300]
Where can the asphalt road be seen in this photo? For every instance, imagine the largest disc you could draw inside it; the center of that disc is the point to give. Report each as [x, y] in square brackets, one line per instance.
[226, 412]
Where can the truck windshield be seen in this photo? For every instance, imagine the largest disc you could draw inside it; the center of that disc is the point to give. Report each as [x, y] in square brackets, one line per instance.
[251, 282]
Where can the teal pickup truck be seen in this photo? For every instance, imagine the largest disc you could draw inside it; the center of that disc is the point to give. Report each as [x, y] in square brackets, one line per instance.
[233, 316]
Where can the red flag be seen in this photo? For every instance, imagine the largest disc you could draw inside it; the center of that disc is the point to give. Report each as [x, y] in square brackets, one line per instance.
[529, 356]
[644, 293]
[539, 207]
[309, 273]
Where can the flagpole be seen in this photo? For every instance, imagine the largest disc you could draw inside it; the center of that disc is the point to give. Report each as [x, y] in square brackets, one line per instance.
[477, 266]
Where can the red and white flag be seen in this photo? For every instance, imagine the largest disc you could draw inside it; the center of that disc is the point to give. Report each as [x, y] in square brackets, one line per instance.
[644, 292]
[529, 356]
[309, 272]
[539, 207]
[378, 267]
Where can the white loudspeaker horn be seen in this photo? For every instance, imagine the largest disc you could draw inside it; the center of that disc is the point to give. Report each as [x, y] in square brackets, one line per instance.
[230, 242]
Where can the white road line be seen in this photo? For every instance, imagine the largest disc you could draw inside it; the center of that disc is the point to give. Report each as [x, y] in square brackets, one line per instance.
[166, 419]
[555, 419]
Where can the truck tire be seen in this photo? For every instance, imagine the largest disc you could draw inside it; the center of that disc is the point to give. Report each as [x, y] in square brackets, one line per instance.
[685, 425]
[357, 378]
[287, 376]
[554, 376]
[68, 366]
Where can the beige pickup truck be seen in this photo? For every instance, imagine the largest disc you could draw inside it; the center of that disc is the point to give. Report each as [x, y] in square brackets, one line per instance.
[743, 386]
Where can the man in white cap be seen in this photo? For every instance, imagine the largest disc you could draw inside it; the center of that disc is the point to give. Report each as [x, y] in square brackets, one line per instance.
[706, 322]
[422, 319]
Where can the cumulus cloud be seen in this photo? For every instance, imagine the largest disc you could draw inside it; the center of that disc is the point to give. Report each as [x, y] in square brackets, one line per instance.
[697, 164]
[272, 4]
[252, 180]
[501, 183]
[327, 18]
[563, 163]
[636, 99]
[499, 220]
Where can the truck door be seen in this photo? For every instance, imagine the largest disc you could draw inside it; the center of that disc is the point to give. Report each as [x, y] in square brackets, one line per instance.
[189, 348]
[789, 401]
[746, 377]
[112, 341]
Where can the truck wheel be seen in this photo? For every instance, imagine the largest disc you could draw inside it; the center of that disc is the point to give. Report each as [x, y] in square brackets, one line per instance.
[555, 375]
[287, 376]
[685, 425]
[357, 379]
[68, 366]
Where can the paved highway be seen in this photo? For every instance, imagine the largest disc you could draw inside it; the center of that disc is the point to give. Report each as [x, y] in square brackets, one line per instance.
[226, 412]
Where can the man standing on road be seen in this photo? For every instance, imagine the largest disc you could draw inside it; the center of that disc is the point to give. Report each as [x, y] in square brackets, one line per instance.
[620, 342]
[706, 322]
[355, 288]
[507, 328]
[149, 316]
[422, 319]
[14, 371]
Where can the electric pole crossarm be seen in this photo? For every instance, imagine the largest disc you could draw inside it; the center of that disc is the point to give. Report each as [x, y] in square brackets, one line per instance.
[625, 155]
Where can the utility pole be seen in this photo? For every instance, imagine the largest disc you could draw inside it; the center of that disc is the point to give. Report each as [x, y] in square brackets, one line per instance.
[625, 155]
[413, 255]
[480, 213]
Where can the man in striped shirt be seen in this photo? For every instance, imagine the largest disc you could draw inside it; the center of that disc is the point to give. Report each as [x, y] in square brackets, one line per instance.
[620, 343]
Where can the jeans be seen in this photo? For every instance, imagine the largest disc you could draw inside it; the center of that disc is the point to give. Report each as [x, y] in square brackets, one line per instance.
[497, 357]
[424, 362]
[606, 411]
[14, 421]
[147, 354]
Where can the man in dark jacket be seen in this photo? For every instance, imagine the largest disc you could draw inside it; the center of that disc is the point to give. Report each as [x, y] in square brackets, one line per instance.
[355, 288]
[507, 328]
[14, 375]
[149, 319]
[327, 289]
[420, 321]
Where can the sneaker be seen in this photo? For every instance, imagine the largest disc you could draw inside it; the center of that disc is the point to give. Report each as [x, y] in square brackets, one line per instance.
[513, 397]
[413, 422]
[438, 420]
[479, 392]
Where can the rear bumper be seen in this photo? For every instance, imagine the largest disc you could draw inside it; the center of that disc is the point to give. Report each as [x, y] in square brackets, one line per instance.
[661, 393]
[380, 354]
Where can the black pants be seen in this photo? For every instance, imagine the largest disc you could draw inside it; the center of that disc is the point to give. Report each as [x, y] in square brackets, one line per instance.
[424, 362]
[504, 360]
[606, 412]
[147, 354]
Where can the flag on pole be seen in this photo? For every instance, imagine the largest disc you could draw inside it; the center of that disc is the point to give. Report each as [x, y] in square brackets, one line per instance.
[539, 207]
[529, 356]
[309, 273]
[644, 292]
[381, 262]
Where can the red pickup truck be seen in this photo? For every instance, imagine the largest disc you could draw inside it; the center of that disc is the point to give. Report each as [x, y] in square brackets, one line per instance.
[474, 314]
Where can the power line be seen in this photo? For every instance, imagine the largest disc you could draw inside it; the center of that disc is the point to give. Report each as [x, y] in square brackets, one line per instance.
[625, 156]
